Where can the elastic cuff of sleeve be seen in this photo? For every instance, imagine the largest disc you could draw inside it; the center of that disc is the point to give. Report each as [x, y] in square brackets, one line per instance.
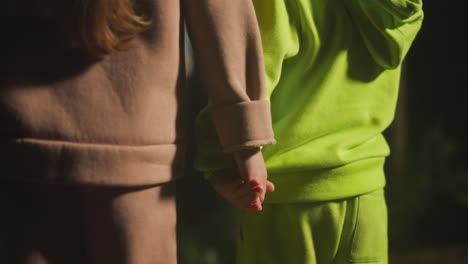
[244, 125]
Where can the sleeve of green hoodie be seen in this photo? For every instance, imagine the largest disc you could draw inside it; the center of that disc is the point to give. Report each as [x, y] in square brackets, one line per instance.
[228, 53]
[388, 27]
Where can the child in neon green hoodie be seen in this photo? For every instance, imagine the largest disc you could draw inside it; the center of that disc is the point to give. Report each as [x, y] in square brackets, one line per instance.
[333, 69]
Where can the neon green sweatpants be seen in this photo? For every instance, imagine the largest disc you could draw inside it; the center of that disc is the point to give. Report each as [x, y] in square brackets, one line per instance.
[352, 230]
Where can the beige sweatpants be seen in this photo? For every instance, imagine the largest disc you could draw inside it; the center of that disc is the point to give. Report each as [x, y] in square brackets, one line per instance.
[57, 224]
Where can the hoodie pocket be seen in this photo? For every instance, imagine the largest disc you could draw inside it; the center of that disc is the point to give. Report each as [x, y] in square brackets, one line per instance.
[369, 240]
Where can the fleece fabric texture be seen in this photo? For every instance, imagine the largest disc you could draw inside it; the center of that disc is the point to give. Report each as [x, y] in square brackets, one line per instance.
[66, 224]
[352, 230]
[333, 71]
[68, 116]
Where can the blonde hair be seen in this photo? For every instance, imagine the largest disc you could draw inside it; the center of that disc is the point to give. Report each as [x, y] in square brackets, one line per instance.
[105, 26]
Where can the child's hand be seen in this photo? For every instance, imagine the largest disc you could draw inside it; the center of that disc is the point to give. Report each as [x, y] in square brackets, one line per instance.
[243, 195]
[253, 170]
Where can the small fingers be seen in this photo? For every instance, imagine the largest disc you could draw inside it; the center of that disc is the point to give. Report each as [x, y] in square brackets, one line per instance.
[247, 196]
[242, 190]
[270, 187]
[248, 201]
[259, 188]
[255, 206]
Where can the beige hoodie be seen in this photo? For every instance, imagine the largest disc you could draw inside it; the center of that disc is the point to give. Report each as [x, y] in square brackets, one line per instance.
[67, 117]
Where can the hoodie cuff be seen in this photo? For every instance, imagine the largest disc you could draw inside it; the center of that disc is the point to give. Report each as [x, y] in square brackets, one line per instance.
[244, 125]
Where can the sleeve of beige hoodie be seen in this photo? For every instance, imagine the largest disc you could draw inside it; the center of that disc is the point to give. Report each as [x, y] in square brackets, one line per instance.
[228, 51]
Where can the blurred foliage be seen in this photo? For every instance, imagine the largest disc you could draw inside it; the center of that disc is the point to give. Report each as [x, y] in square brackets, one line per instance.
[427, 204]
[206, 226]
[428, 199]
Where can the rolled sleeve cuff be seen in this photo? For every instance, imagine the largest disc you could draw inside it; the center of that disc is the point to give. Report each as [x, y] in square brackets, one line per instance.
[244, 125]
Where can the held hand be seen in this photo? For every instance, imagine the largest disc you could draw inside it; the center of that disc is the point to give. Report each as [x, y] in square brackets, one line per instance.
[237, 191]
[253, 170]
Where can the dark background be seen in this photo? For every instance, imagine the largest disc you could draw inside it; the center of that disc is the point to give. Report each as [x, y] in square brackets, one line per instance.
[427, 172]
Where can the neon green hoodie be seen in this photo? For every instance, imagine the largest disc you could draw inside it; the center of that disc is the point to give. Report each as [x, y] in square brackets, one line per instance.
[333, 71]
